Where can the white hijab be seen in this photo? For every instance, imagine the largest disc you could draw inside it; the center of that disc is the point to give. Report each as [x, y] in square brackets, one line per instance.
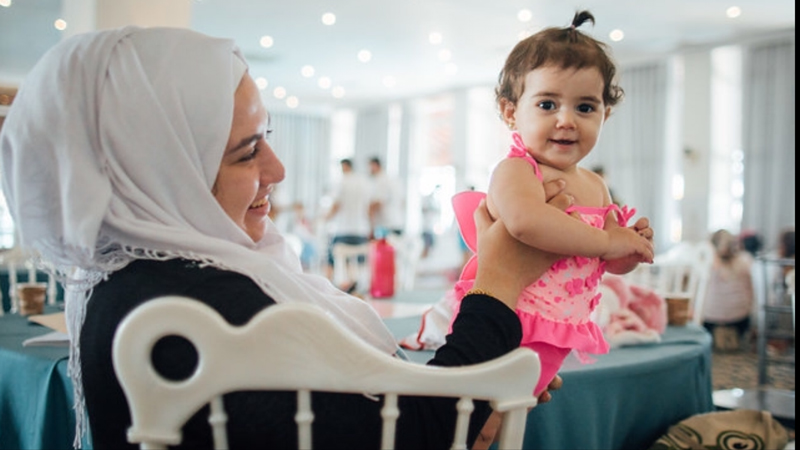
[109, 153]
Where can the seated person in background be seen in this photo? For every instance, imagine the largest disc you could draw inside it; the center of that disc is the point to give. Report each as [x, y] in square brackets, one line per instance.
[149, 171]
[729, 299]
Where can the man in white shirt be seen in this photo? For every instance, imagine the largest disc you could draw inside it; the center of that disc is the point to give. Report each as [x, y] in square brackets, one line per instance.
[387, 208]
[349, 214]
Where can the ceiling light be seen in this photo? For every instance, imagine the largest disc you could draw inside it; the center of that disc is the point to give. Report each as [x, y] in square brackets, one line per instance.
[266, 41]
[616, 35]
[734, 12]
[364, 56]
[279, 92]
[329, 18]
[389, 81]
[324, 82]
[445, 55]
[60, 24]
[262, 83]
[307, 71]
[5, 3]
[338, 92]
[435, 38]
[292, 102]
[524, 15]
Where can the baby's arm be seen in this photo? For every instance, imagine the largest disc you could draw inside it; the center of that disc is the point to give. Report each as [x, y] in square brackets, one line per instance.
[517, 196]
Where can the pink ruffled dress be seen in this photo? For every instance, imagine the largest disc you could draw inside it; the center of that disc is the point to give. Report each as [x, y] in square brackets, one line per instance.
[554, 311]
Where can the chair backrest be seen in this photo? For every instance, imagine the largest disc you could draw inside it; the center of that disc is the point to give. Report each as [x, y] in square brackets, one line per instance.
[308, 351]
[683, 272]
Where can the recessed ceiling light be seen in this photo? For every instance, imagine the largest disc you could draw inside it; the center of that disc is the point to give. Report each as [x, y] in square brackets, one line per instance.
[524, 15]
[733, 12]
[337, 92]
[307, 71]
[616, 35]
[435, 38]
[279, 92]
[364, 56]
[266, 41]
[324, 82]
[292, 102]
[5, 3]
[329, 18]
[60, 24]
[262, 83]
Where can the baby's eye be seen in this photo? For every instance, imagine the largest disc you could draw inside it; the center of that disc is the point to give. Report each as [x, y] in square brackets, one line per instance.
[586, 108]
[547, 105]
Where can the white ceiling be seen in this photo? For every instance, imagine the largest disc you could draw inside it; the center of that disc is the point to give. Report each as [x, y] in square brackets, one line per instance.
[478, 34]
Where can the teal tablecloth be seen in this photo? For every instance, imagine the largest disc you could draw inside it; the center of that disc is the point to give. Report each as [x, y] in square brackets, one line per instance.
[35, 392]
[625, 400]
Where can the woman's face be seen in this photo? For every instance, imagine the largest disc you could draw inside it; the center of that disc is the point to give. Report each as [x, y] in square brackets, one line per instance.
[250, 169]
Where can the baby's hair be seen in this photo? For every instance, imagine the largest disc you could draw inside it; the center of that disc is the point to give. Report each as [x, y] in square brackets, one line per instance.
[566, 48]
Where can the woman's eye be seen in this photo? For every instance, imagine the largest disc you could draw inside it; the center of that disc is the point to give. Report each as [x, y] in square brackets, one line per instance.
[251, 154]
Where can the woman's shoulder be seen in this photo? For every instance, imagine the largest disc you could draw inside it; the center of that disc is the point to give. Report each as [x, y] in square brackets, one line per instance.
[235, 296]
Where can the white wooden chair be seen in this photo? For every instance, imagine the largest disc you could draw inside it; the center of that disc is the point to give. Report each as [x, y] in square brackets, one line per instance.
[346, 265]
[308, 351]
[683, 272]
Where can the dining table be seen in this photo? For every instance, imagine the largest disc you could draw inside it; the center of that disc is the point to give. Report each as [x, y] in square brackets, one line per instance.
[625, 399]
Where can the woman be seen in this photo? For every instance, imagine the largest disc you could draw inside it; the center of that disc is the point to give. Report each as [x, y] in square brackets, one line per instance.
[136, 162]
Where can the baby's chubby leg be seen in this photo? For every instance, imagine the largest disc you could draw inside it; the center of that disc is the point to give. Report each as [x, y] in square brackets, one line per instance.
[551, 358]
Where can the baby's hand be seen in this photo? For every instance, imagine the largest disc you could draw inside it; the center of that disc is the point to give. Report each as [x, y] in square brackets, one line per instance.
[642, 226]
[623, 242]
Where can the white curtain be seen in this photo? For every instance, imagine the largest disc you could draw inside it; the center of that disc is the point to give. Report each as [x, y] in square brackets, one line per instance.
[302, 142]
[633, 146]
[769, 137]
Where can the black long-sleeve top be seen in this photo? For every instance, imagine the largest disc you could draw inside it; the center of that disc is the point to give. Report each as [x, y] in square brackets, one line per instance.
[485, 329]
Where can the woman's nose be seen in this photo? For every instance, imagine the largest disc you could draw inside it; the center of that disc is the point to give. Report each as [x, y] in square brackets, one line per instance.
[272, 170]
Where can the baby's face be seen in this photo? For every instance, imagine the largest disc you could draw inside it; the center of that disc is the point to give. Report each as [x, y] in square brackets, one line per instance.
[560, 114]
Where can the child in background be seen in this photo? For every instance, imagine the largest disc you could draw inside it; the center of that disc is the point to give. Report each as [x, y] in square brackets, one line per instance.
[555, 92]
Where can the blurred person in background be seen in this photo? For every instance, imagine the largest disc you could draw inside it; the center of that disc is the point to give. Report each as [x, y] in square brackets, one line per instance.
[729, 300]
[386, 210]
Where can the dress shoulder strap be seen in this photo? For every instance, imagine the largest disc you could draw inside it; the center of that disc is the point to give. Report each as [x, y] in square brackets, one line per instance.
[518, 150]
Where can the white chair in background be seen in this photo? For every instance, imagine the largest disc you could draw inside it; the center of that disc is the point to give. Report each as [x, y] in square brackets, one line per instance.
[308, 351]
[351, 264]
[682, 272]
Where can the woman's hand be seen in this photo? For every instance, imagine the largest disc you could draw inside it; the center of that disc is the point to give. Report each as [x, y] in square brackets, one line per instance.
[505, 265]
[490, 430]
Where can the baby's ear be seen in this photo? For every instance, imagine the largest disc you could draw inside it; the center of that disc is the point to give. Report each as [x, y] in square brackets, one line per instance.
[507, 110]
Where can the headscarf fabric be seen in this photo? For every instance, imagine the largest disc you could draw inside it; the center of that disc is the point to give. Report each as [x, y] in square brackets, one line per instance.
[109, 154]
